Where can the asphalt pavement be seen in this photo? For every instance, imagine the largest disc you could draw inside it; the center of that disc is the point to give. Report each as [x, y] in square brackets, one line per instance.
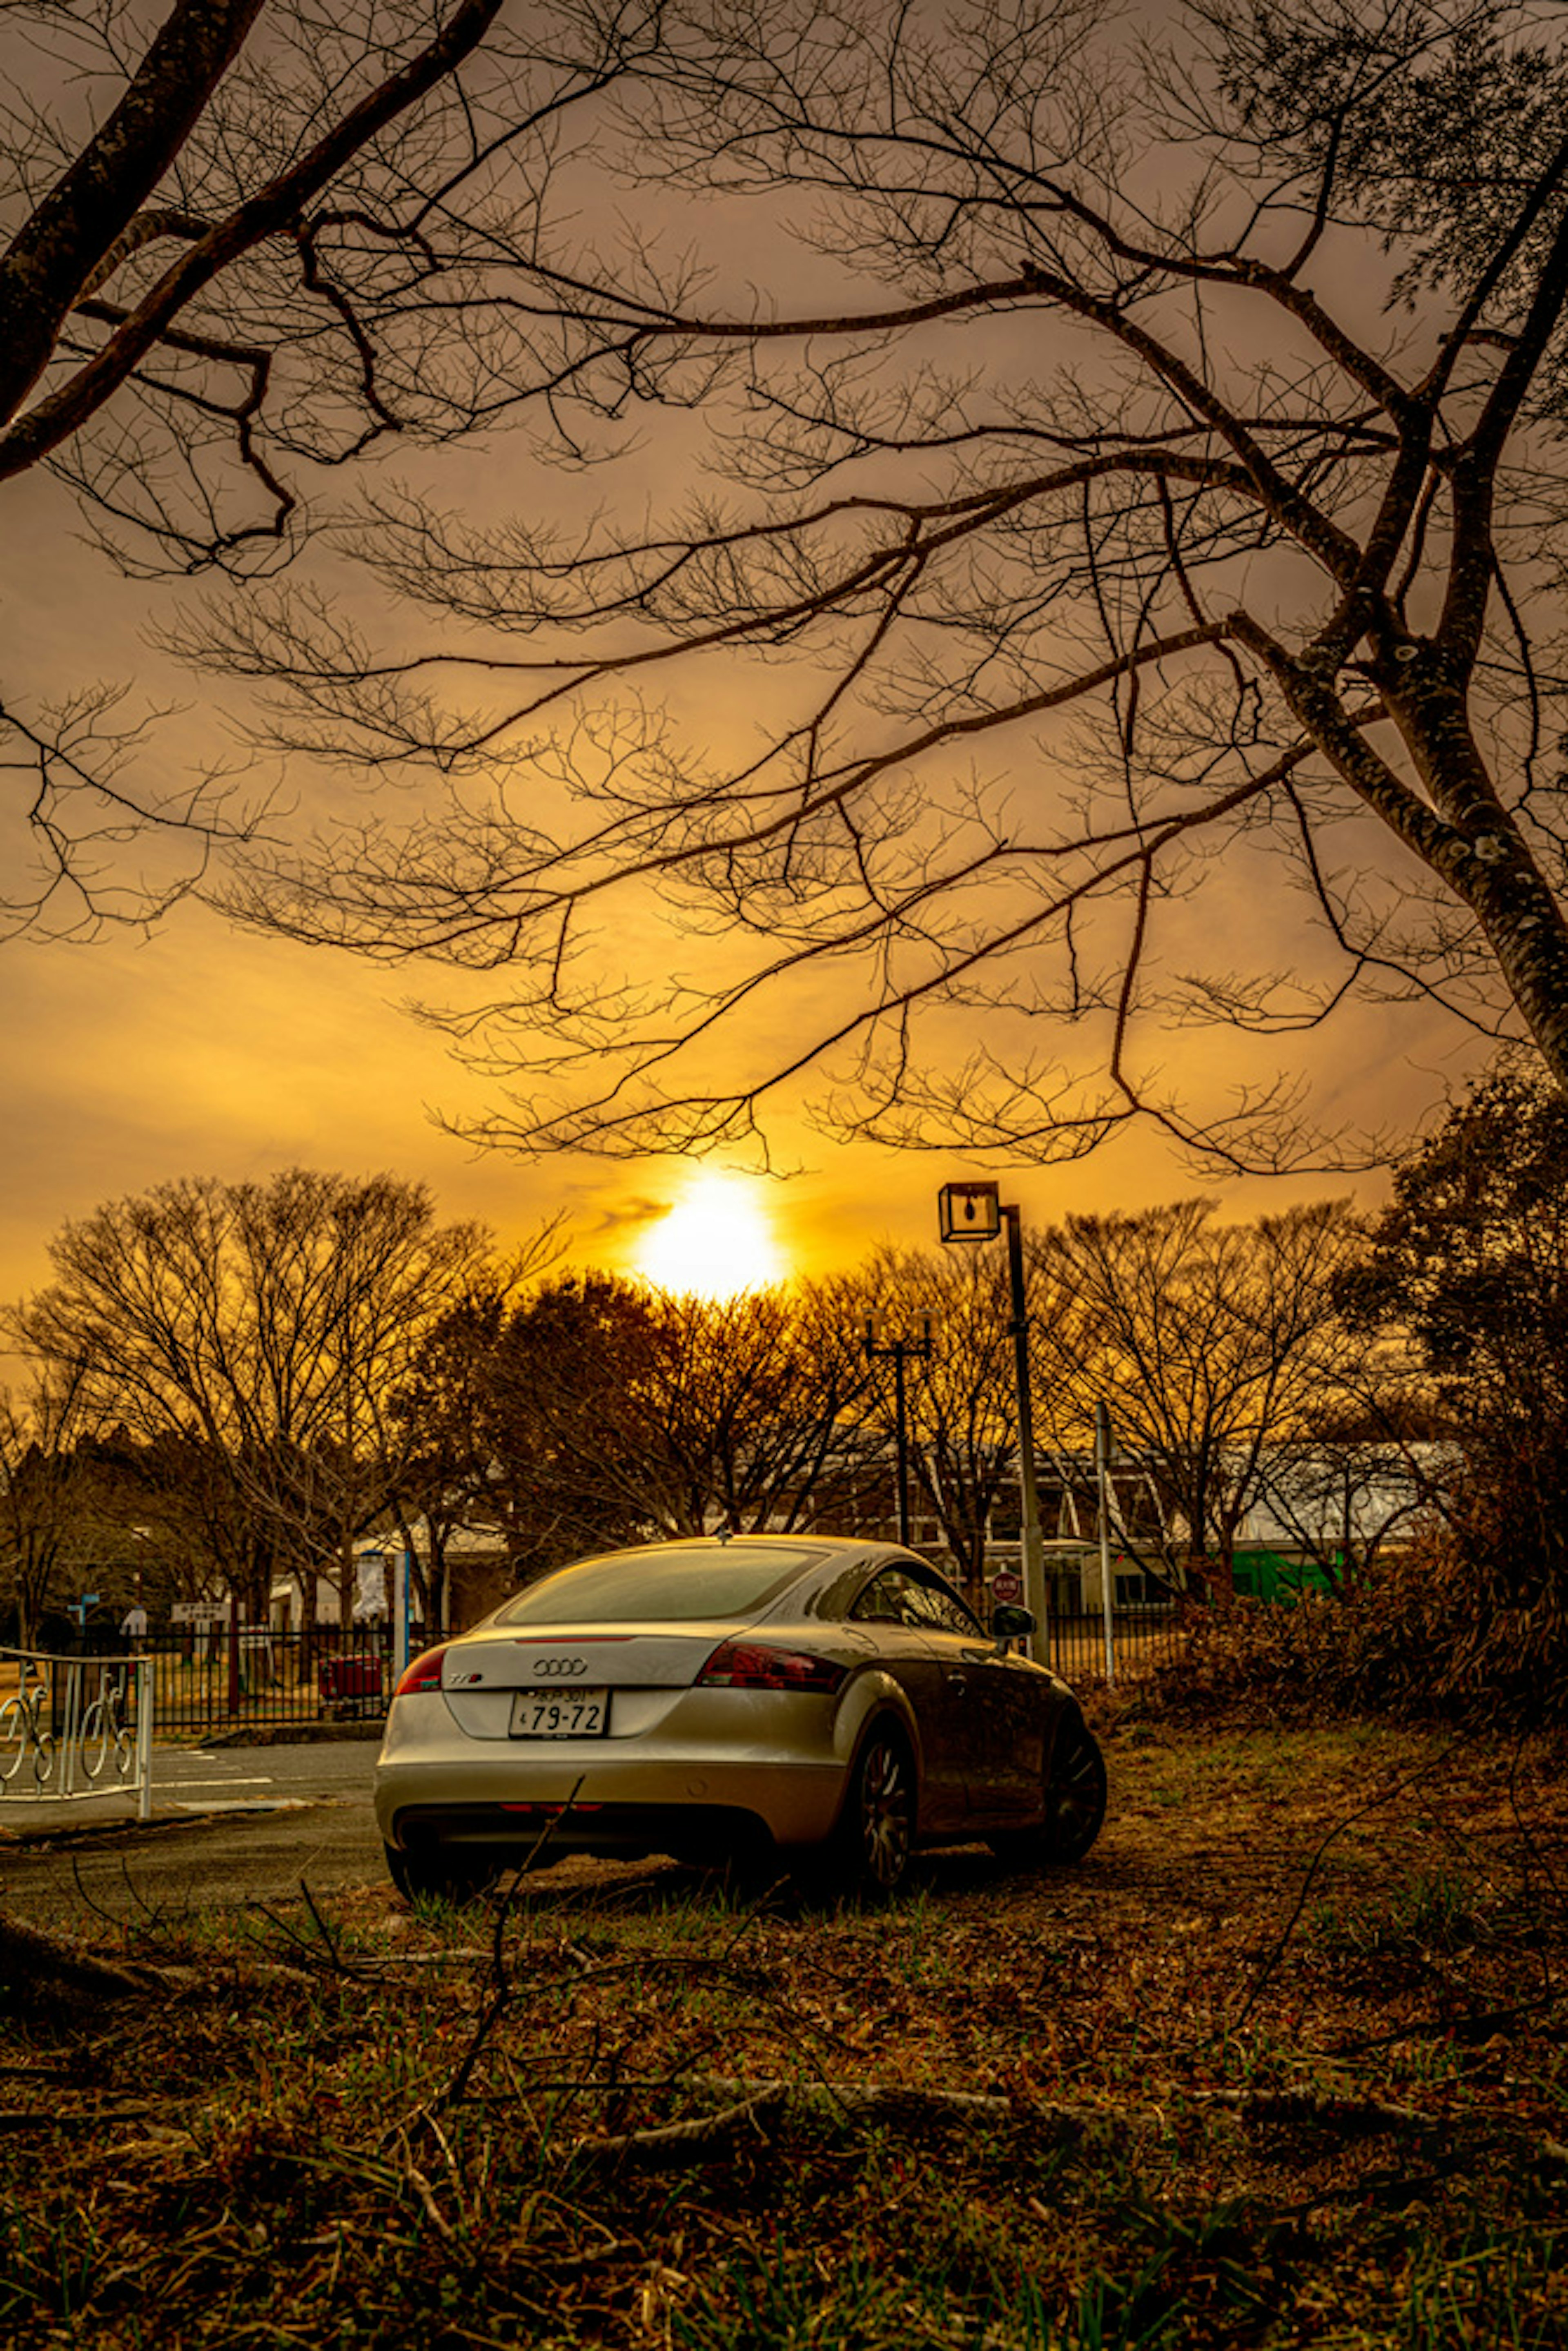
[230, 1825]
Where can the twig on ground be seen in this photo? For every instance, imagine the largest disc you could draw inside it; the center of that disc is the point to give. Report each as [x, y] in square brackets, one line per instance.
[1480, 2024]
[333, 1941]
[1322, 2107]
[87, 1900]
[155, 1913]
[1348, 1820]
[501, 1994]
[879, 2101]
[52, 2118]
[697, 2135]
[426, 2195]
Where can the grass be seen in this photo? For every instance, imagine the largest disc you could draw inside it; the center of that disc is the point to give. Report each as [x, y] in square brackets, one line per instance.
[1432, 1910]
[1281, 2065]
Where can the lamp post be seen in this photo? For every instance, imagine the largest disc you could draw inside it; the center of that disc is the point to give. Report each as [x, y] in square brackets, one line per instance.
[977, 1212]
[898, 1352]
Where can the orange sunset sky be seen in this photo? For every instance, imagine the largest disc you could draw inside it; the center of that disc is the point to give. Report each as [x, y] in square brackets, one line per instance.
[202, 1051]
[131, 1062]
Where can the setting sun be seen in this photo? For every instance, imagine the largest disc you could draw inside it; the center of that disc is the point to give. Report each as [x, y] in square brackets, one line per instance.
[716, 1241]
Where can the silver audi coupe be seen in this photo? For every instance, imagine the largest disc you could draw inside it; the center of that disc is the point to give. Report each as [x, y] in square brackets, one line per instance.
[804, 1702]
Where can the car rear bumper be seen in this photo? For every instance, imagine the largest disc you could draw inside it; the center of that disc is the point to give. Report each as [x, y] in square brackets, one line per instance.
[603, 1805]
[513, 1836]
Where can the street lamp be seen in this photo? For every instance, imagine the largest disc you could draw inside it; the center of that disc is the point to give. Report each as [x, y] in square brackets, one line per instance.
[898, 1352]
[977, 1212]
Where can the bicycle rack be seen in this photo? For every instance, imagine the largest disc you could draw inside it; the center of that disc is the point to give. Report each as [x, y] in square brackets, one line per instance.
[59, 1743]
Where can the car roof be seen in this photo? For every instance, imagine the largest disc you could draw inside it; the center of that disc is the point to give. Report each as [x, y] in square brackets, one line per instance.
[790, 1565]
[839, 1546]
[819, 1558]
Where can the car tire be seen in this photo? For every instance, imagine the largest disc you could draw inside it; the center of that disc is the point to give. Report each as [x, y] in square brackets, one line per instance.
[873, 1843]
[1075, 1791]
[422, 1877]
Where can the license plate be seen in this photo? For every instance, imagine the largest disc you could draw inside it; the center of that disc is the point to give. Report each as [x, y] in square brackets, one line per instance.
[560, 1714]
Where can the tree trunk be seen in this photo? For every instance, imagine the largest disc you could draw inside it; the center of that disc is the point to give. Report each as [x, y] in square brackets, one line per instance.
[43, 274]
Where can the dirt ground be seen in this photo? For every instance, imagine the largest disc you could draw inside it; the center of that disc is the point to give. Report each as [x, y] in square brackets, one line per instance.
[1282, 2063]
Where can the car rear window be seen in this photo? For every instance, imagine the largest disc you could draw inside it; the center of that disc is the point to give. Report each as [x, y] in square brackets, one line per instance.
[663, 1585]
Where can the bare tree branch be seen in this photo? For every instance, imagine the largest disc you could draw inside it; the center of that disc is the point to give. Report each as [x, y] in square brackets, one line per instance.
[213, 283]
[1232, 584]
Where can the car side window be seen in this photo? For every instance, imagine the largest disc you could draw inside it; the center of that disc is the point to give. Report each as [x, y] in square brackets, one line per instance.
[898, 1596]
[889, 1598]
[945, 1613]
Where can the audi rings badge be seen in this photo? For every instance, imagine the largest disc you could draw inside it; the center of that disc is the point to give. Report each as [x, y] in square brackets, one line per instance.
[560, 1670]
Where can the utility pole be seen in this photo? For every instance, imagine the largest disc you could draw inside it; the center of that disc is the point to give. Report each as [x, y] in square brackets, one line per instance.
[898, 1352]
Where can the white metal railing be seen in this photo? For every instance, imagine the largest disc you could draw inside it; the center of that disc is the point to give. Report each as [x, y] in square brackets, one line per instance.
[72, 1727]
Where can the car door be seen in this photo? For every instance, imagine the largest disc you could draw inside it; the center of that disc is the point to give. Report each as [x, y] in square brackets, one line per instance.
[891, 1609]
[992, 1707]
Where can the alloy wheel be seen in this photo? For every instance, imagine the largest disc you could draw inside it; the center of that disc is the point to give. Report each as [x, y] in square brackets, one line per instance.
[884, 1814]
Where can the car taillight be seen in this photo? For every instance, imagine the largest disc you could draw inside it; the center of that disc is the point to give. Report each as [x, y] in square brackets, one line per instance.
[424, 1674]
[752, 1665]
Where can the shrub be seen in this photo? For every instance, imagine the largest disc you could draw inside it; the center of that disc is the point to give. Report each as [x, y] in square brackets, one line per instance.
[1455, 1627]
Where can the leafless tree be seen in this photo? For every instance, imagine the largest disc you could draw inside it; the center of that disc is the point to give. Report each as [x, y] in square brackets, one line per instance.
[1211, 1343]
[271, 1325]
[1341, 1500]
[1122, 591]
[47, 1491]
[961, 1407]
[610, 1413]
[763, 1399]
[198, 1531]
[442, 1444]
[233, 237]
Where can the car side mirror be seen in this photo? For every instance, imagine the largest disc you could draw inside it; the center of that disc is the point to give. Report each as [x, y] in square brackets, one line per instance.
[1011, 1623]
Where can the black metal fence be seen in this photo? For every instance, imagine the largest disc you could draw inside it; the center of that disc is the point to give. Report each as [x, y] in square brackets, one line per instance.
[207, 1680]
[1141, 1640]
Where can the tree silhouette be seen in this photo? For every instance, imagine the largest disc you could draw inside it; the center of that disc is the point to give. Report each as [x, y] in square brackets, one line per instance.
[1469, 1263]
[1124, 593]
[223, 226]
[1213, 1345]
[611, 1413]
[265, 1329]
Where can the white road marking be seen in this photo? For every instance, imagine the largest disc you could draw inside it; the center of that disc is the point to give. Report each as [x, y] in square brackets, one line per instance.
[248, 1805]
[255, 1779]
